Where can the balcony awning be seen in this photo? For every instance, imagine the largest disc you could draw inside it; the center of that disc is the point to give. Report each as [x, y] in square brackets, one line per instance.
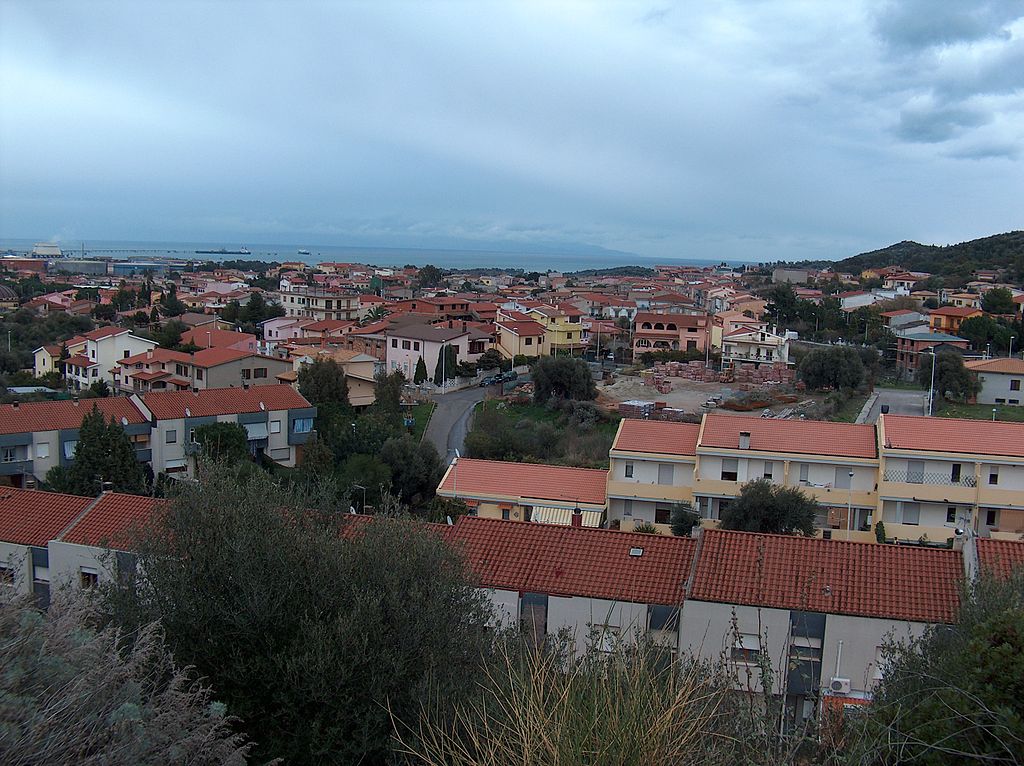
[563, 516]
[256, 431]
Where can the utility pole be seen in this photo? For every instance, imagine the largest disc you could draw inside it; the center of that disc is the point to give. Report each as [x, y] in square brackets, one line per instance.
[931, 388]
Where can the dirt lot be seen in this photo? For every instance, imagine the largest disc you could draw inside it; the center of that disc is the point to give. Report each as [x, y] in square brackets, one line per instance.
[687, 395]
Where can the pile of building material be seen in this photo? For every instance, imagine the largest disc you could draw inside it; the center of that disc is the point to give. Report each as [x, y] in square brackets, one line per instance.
[645, 410]
[636, 408]
[687, 370]
[746, 376]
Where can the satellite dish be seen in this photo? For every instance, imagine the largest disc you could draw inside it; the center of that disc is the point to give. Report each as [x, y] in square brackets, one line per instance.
[188, 412]
[124, 420]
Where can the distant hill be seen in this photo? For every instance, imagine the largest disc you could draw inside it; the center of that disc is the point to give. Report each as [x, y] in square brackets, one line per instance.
[959, 262]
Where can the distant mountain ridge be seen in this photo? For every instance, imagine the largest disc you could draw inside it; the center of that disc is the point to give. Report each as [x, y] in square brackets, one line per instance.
[1000, 251]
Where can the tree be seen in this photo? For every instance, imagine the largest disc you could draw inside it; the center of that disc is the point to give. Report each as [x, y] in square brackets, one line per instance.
[421, 372]
[77, 694]
[365, 477]
[170, 303]
[323, 382]
[105, 312]
[984, 331]
[103, 456]
[766, 507]
[489, 360]
[952, 695]
[387, 391]
[430, 276]
[415, 467]
[169, 336]
[226, 442]
[562, 377]
[998, 300]
[952, 380]
[447, 364]
[683, 519]
[315, 630]
[836, 367]
[375, 314]
[101, 388]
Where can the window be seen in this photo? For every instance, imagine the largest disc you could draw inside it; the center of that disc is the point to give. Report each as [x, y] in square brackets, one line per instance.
[629, 470]
[246, 374]
[406, 345]
[915, 471]
[730, 469]
[533, 613]
[747, 648]
[6, 576]
[805, 470]
[528, 342]
[88, 578]
[954, 473]
[43, 450]
[303, 425]
[191, 434]
[568, 335]
[394, 343]
[911, 513]
[415, 345]
[171, 437]
[8, 454]
[259, 372]
[69, 449]
[662, 617]
[506, 514]
[993, 475]
[662, 515]
[665, 473]
[275, 426]
[95, 372]
[842, 480]
[127, 354]
[1000, 401]
[627, 508]
[199, 373]
[991, 518]
[1015, 384]
[951, 514]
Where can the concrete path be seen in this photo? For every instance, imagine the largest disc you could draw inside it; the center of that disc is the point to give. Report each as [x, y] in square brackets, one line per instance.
[449, 424]
[901, 402]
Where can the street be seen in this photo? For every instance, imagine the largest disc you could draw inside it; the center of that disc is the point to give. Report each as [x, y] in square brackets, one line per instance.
[901, 402]
[450, 422]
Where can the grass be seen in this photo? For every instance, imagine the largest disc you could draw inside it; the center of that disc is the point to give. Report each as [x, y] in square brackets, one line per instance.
[902, 385]
[979, 411]
[851, 409]
[421, 412]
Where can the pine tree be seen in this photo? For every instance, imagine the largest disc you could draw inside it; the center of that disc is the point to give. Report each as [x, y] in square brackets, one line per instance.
[421, 372]
[103, 455]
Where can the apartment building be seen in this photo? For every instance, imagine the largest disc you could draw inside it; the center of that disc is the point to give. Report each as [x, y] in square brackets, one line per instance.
[408, 342]
[948, 319]
[669, 332]
[516, 334]
[318, 301]
[163, 370]
[915, 347]
[527, 491]
[93, 356]
[754, 345]
[563, 328]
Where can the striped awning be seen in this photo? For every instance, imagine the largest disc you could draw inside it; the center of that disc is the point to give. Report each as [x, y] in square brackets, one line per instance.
[563, 516]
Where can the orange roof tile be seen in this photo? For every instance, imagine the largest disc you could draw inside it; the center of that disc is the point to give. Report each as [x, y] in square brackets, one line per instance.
[111, 520]
[211, 357]
[211, 337]
[521, 328]
[66, 414]
[998, 365]
[833, 576]
[156, 355]
[515, 480]
[795, 436]
[657, 436]
[222, 401]
[954, 435]
[1000, 556]
[574, 561]
[29, 517]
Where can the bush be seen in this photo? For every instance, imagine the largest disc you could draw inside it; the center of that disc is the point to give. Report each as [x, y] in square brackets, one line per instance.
[645, 528]
[562, 377]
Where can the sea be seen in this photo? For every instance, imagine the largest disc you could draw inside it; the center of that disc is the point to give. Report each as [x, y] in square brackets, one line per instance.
[549, 260]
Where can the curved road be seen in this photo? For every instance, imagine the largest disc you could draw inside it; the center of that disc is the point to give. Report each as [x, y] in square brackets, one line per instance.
[449, 424]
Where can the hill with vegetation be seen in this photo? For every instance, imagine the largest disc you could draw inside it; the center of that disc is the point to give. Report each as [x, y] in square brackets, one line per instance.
[1001, 251]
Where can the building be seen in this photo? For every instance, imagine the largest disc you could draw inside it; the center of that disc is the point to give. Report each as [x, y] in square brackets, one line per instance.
[563, 328]
[754, 345]
[277, 419]
[669, 332]
[318, 302]
[948, 319]
[792, 276]
[527, 491]
[93, 356]
[360, 371]
[1000, 378]
[163, 370]
[518, 335]
[912, 345]
[409, 342]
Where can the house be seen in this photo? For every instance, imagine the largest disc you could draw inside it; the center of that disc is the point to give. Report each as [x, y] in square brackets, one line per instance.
[318, 301]
[93, 355]
[409, 342]
[563, 329]
[965, 300]
[545, 494]
[1001, 380]
[281, 330]
[438, 308]
[669, 332]
[756, 345]
[912, 345]
[948, 319]
[903, 319]
[360, 370]
[207, 336]
[518, 335]
[277, 419]
[214, 367]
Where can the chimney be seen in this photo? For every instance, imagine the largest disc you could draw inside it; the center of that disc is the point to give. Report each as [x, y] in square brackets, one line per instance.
[149, 354]
[744, 439]
[577, 517]
[74, 400]
[14, 404]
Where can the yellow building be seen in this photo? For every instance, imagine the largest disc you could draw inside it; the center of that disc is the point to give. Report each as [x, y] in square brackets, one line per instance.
[563, 328]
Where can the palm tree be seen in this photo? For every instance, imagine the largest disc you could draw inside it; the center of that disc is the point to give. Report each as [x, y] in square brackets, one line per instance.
[375, 314]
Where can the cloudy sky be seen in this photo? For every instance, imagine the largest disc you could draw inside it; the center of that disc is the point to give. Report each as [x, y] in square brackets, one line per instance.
[749, 130]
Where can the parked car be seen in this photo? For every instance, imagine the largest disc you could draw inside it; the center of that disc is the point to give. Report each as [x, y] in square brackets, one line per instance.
[490, 380]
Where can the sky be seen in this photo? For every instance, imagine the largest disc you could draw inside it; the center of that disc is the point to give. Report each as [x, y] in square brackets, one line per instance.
[742, 130]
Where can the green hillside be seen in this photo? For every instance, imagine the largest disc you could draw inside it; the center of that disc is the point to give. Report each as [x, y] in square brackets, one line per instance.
[1001, 251]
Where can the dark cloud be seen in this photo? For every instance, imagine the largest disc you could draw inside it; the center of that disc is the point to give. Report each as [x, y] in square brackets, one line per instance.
[934, 125]
[915, 24]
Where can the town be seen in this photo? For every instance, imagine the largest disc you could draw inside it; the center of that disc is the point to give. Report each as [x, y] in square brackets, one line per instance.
[766, 461]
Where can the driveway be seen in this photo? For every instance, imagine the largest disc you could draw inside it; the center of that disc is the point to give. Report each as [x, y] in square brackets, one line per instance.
[449, 424]
[900, 401]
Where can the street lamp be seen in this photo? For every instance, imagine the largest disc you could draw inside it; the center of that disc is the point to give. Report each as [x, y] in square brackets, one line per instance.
[931, 388]
[362, 509]
[993, 414]
[1012, 338]
[849, 505]
[455, 476]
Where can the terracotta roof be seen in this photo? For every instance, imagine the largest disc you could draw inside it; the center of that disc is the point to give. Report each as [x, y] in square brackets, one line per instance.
[795, 436]
[326, 325]
[156, 355]
[832, 576]
[105, 332]
[80, 361]
[970, 437]
[515, 480]
[214, 338]
[29, 517]
[657, 436]
[65, 414]
[574, 561]
[111, 520]
[211, 357]
[1001, 364]
[222, 401]
[1000, 556]
[955, 311]
[526, 327]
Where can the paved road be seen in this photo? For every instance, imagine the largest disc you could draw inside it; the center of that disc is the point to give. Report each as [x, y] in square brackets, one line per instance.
[450, 422]
[900, 401]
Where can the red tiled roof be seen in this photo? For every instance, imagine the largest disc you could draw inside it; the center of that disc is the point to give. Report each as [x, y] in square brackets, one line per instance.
[954, 435]
[56, 415]
[1000, 556]
[833, 576]
[521, 328]
[326, 325]
[515, 480]
[214, 338]
[575, 561]
[796, 436]
[211, 357]
[80, 361]
[111, 520]
[955, 311]
[222, 401]
[657, 436]
[155, 375]
[1004, 365]
[104, 332]
[29, 517]
[156, 355]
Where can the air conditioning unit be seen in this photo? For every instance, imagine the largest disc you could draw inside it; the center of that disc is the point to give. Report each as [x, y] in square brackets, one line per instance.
[839, 685]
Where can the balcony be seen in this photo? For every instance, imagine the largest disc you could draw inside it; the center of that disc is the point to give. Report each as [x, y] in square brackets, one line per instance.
[15, 467]
[927, 477]
[648, 491]
[928, 486]
[824, 494]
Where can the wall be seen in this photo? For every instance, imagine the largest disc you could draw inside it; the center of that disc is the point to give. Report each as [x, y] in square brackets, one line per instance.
[17, 557]
[861, 636]
[67, 560]
[997, 386]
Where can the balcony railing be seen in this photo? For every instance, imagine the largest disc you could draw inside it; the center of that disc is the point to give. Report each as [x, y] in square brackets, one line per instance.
[902, 476]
